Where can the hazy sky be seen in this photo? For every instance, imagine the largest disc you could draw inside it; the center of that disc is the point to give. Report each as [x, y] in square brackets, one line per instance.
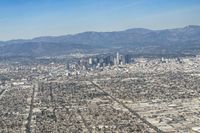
[32, 18]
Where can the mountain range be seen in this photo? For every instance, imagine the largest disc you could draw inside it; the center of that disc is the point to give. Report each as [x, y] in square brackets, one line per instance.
[178, 40]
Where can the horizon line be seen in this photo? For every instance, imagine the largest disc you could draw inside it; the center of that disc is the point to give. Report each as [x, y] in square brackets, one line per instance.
[71, 34]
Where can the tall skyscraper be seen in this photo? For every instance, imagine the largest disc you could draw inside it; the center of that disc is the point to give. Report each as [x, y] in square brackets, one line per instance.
[90, 61]
[117, 59]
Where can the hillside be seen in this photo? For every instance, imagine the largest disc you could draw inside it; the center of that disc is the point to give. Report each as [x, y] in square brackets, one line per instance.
[186, 39]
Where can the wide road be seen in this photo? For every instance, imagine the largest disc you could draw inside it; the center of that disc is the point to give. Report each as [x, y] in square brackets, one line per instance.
[130, 110]
[2, 92]
[29, 119]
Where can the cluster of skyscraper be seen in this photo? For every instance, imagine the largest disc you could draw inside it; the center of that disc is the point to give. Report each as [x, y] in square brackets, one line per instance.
[108, 60]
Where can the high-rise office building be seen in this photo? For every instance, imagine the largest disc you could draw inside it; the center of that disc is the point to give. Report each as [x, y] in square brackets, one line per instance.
[117, 59]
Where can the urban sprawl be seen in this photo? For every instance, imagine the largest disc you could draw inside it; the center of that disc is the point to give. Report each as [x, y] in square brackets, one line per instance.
[116, 93]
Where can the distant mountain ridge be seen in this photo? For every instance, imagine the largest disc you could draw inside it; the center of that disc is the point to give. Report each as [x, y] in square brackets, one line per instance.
[175, 40]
